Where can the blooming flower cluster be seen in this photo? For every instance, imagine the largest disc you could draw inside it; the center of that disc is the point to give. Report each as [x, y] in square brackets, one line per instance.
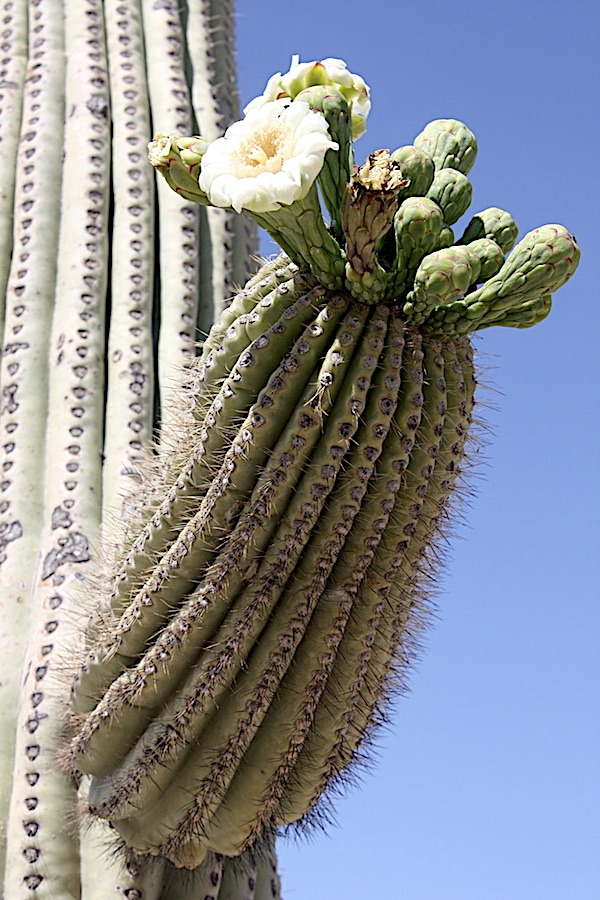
[268, 163]
[327, 72]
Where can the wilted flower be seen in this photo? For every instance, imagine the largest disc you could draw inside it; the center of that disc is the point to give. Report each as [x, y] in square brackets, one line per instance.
[159, 150]
[326, 71]
[267, 160]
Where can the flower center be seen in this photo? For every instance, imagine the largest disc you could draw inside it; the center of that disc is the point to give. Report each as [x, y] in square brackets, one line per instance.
[262, 151]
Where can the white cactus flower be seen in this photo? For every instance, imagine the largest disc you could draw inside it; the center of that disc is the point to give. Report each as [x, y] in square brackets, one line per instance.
[326, 71]
[267, 160]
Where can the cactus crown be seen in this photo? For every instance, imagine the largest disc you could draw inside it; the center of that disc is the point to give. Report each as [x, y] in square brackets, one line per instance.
[389, 234]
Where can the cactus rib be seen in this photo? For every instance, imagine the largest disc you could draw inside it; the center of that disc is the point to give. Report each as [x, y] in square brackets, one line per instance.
[27, 317]
[274, 486]
[130, 370]
[72, 503]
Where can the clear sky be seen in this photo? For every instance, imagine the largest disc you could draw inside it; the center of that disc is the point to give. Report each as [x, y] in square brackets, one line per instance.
[486, 784]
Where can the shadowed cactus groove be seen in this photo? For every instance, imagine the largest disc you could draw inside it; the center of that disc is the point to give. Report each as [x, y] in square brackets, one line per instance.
[273, 583]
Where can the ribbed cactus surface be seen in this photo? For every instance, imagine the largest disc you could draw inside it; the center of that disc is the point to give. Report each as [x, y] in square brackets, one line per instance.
[277, 596]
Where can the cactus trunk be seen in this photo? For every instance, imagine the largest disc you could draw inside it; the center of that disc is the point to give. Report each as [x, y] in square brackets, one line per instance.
[104, 296]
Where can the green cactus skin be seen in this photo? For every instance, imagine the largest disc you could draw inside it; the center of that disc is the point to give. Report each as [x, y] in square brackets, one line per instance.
[443, 276]
[302, 234]
[445, 238]
[337, 165]
[418, 167]
[490, 256]
[417, 227]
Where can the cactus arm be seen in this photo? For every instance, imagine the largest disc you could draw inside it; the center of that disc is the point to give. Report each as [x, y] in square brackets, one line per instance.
[73, 465]
[24, 374]
[12, 76]
[130, 365]
[206, 626]
[217, 666]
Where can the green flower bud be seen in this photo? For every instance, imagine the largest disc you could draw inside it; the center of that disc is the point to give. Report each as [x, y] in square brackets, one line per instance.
[449, 143]
[452, 191]
[418, 167]
[493, 223]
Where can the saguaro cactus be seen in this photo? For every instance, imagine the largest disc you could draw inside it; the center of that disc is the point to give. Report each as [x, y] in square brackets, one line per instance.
[268, 595]
[106, 285]
[256, 595]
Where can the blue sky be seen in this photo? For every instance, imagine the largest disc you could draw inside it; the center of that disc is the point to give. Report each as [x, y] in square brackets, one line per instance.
[485, 785]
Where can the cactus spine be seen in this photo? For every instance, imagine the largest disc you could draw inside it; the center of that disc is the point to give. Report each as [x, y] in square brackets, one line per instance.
[85, 299]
